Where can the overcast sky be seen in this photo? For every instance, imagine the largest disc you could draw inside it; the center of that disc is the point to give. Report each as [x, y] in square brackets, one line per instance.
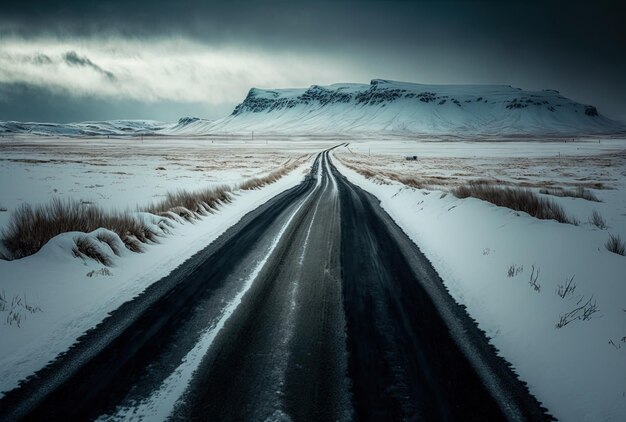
[97, 60]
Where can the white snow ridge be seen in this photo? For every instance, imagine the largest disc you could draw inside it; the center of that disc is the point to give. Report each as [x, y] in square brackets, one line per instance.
[388, 106]
[381, 107]
[105, 128]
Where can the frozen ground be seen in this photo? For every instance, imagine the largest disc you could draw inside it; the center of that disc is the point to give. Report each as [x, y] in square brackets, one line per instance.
[488, 256]
[126, 173]
[49, 299]
[578, 371]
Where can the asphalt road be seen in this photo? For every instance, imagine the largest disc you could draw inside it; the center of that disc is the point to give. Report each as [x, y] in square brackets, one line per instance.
[315, 306]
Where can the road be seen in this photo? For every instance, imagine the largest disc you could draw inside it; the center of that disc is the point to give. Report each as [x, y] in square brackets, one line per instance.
[315, 306]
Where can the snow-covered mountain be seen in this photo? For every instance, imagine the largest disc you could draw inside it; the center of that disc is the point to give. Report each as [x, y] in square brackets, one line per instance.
[104, 128]
[388, 106]
[188, 126]
[380, 107]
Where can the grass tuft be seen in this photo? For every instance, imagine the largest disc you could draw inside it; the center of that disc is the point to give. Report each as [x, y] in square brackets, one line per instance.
[616, 245]
[514, 198]
[30, 227]
[597, 220]
[87, 247]
[186, 204]
[579, 192]
[111, 240]
[259, 182]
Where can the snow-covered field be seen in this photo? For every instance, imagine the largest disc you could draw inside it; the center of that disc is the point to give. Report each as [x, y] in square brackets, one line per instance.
[49, 299]
[126, 173]
[507, 267]
[487, 255]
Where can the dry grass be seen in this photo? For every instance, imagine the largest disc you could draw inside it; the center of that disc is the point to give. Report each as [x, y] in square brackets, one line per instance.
[259, 182]
[30, 227]
[188, 204]
[87, 247]
[534, 172]
[616, 245]
[383, 176]
[579, 192]
[597, 220]
[516, 199]
[411, 181]
[111, 240]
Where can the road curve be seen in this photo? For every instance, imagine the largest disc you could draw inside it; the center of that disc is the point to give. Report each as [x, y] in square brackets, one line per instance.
[315, 306]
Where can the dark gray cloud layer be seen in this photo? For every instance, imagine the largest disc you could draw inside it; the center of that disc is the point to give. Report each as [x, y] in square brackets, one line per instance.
[73, 59]
[29, 103]
[576, 47]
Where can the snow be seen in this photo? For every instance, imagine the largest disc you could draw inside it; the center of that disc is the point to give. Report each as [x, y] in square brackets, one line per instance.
[89, 128]
[308, 232]
[407, 108]
[578, 371]
[162, 402]
[383, 106]
[575, 371]
[124, 174]
[68, 295]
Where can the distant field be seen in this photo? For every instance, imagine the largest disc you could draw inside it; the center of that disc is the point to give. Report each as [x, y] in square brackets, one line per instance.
[532, 243]
[126, 173]
[598, 166]
[523, 163]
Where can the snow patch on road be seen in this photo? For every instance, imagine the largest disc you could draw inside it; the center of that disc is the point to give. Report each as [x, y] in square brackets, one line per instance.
[308, 233]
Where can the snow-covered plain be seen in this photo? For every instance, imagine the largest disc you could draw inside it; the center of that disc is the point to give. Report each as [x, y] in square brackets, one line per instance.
[488, 255]
[127, 173]
[57, 296]
[578, 371]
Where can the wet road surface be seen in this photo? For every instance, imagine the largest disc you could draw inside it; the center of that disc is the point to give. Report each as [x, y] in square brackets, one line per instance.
[315, 306]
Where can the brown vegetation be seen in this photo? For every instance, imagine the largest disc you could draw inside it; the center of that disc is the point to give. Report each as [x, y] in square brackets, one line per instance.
[381, 176]
[87, 247]
[597, 220]
[514, 198]
[579, 192]
[30, 227]
[188, 204]
[259, 182]
[616, 245]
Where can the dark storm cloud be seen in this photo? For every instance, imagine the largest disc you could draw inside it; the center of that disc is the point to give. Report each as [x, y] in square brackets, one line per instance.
[73, 59]
[20, 102]
[576, 47]
[40, 59]
[573, 25]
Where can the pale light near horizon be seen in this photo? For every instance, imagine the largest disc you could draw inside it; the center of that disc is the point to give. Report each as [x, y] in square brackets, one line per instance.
[166, 69]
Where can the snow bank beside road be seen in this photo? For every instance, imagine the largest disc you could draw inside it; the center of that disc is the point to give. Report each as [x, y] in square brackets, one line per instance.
[60, 296]
[577, 371]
